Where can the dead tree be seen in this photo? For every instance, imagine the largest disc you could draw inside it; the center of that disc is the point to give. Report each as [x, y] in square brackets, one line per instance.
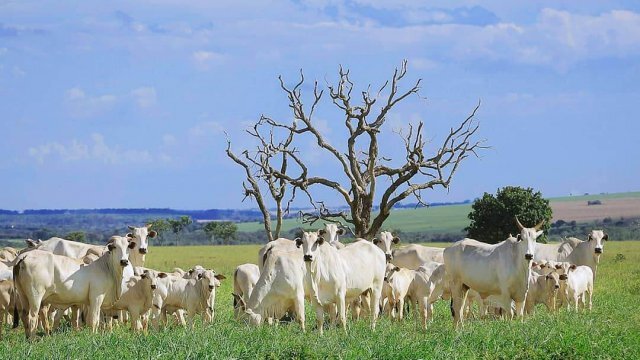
[363, 169]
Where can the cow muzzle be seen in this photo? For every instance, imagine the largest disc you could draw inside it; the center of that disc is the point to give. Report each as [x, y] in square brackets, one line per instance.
[563, 277]
[153, 287]
[211, 287]
[308, 257]
[388, 256]
[124, 262]
[598, 250]
[528, 256]
[142, 251]
[556, 286]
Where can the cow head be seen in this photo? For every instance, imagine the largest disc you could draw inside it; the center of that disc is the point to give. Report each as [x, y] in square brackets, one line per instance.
[194, 273]
[389, 271]
[118, 249]
[595, 240]
[331, 233]
[527, 238]
[150, 280]
[310, 243]
[384, 243]
[141, 236]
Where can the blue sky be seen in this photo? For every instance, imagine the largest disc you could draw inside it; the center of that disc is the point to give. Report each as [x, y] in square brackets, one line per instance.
[125, 104]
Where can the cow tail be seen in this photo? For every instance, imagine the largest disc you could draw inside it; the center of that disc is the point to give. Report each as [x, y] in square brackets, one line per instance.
[453, 312]
[235, 278]
[16, 296]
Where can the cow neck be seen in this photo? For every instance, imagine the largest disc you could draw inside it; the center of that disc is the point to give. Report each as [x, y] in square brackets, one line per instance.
[136, 259]
[104, 263]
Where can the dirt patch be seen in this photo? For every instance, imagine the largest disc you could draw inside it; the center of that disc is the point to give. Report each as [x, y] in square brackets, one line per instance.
[581, 212]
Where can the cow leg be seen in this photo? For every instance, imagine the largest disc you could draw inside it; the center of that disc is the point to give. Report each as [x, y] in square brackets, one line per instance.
[422, 307]
[342, 311]
[319, 318]
[94, 312]
[520, 309]
[458, 298]
[299, 310]
[401, 308]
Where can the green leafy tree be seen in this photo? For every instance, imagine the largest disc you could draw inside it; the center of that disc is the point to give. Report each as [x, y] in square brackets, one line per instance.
[225, 230]
[178, 225]
[493, 217]
[78, 236]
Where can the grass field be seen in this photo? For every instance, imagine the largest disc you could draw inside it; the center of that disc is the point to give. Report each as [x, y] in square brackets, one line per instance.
[611, 330]
[452, 218]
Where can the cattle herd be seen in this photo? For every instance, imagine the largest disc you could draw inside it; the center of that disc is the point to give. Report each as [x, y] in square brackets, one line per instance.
[58, 279]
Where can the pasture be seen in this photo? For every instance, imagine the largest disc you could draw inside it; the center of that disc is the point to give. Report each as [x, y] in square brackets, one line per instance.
[452, 218]
[611, 330]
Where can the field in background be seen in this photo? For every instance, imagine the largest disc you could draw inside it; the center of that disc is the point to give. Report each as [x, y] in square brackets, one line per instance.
[453, 218]
[610, 331]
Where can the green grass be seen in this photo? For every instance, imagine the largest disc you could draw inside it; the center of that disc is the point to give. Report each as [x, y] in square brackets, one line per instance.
[438, 219]
[611, 330]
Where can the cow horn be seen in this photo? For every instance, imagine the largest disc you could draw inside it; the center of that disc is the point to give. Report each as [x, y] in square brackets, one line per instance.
[539, 225]
[520, 227]
[149, 226]
[131, 227]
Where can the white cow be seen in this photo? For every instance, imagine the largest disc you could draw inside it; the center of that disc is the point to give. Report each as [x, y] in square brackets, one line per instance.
[141, 236]
[6, 302]
[397, 283]
[428, 285]
[279, 244]
[137, 298]
[245, 278]
[59, 246]
[411, 256]
[280, 288]
[331, 233]
[196, 296]
[341, 276]
[579, 286]
[43, 277]
[576, 251]
[502, 269]
[542, 290]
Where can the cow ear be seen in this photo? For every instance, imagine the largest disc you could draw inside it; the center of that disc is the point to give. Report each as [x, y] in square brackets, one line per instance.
[605, 237]
[298, 242]
[31, 243]
[132, 244]
[131, 227]
[341, 231]
[111, 246]
[589, 238]
[519, 237]
[130, 235]
[322, 232]
[200, 276]
[376, 241]
[396, 240]
[191, 271]
[162, 275]
[144, 275]
[320, 240]
[396, 269]
[152, 234]
[220, 277]
[573, 267]
[534, 264]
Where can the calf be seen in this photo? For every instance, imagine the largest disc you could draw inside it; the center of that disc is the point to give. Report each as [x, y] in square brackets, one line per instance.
[428, 285]
[411, 256]
[398, 281]
[196, 296]
[542, 290]
[579, 286]
[245, 278]
[137, 298]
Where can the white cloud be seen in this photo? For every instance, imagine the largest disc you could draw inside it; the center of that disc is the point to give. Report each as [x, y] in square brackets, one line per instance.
[204, 60]
[168, 139]
[206, 128]
[83, 106]
[95, 150]
[145, 97]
